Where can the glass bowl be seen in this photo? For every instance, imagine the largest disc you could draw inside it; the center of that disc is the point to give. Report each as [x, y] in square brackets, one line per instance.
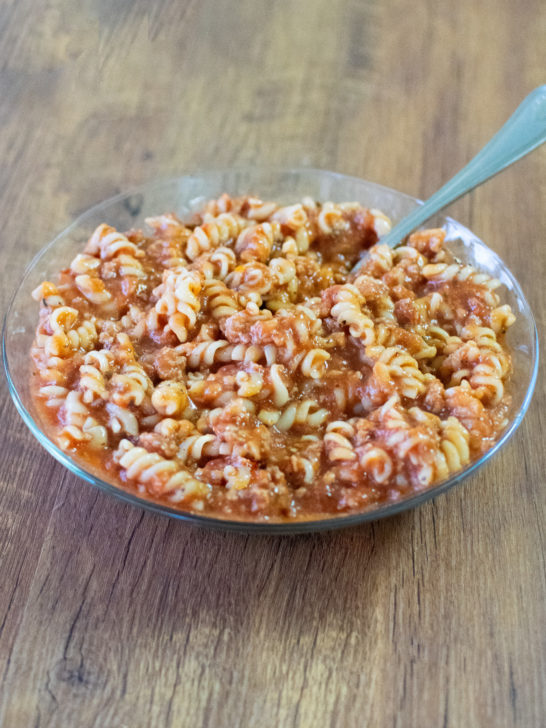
[184, 194]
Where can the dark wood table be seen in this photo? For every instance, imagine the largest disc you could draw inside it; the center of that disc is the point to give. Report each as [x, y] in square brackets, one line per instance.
[113, 617]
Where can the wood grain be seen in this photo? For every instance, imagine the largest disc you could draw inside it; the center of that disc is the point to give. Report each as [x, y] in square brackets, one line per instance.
[114, 617]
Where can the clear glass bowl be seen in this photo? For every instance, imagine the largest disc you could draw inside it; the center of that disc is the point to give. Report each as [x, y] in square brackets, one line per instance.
[184, 194]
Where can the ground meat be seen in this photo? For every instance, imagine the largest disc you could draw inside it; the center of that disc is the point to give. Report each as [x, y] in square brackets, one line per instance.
[242, 432]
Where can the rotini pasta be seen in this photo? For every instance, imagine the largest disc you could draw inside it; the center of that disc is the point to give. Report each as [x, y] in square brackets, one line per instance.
[222, 301]
[93, 383]
[170, 398]
[256, 242]
[214, 233]
[179, 300]
[347, 310]
[159, 475]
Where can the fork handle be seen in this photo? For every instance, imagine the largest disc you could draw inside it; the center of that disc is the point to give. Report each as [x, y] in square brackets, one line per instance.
[524, 131]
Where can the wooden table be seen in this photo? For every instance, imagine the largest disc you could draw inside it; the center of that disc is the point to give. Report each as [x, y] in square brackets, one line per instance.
[113, 617]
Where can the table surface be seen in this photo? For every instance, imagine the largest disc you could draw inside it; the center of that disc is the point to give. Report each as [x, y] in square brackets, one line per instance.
[114, 617]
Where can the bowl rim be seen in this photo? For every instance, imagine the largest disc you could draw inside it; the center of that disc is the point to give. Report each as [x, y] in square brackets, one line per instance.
[264, 527]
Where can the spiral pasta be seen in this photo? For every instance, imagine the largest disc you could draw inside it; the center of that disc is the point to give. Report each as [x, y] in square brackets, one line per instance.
[179, 300]
[222, 301]
[159, 475]
[314, 363]
[49, 295]
[330, 218]
[217, 264]
[260, 210]
[130, 386]
[501, 318]
[454, 445]
[66, 336]
[79, 425]
[306, 412]
[214, 233]
[347, 310]
[107, 243]
[291, 216]
[198, 446]
[168, 226]
[395, 364]
[93, 289]
[256, 242]
[170, 398]
[377, 463]
[97, 365]
[456, 272]
[337, 441]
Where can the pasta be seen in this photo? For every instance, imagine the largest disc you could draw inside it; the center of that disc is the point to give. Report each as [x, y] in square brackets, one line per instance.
[214, 233]
[232, 365]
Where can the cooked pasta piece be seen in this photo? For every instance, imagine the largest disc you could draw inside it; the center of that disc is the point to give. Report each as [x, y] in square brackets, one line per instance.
[170, 398]
[222, 301]
[159, 475]
[93, 372]
[306, 412]
[214, 233]
[337, 441]
[377, 463]
[79, 425]
[179, 300]
[314, 363]
[256, 242]
[347, 310]
[291, 217]
[396, 365]
[330, 218]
